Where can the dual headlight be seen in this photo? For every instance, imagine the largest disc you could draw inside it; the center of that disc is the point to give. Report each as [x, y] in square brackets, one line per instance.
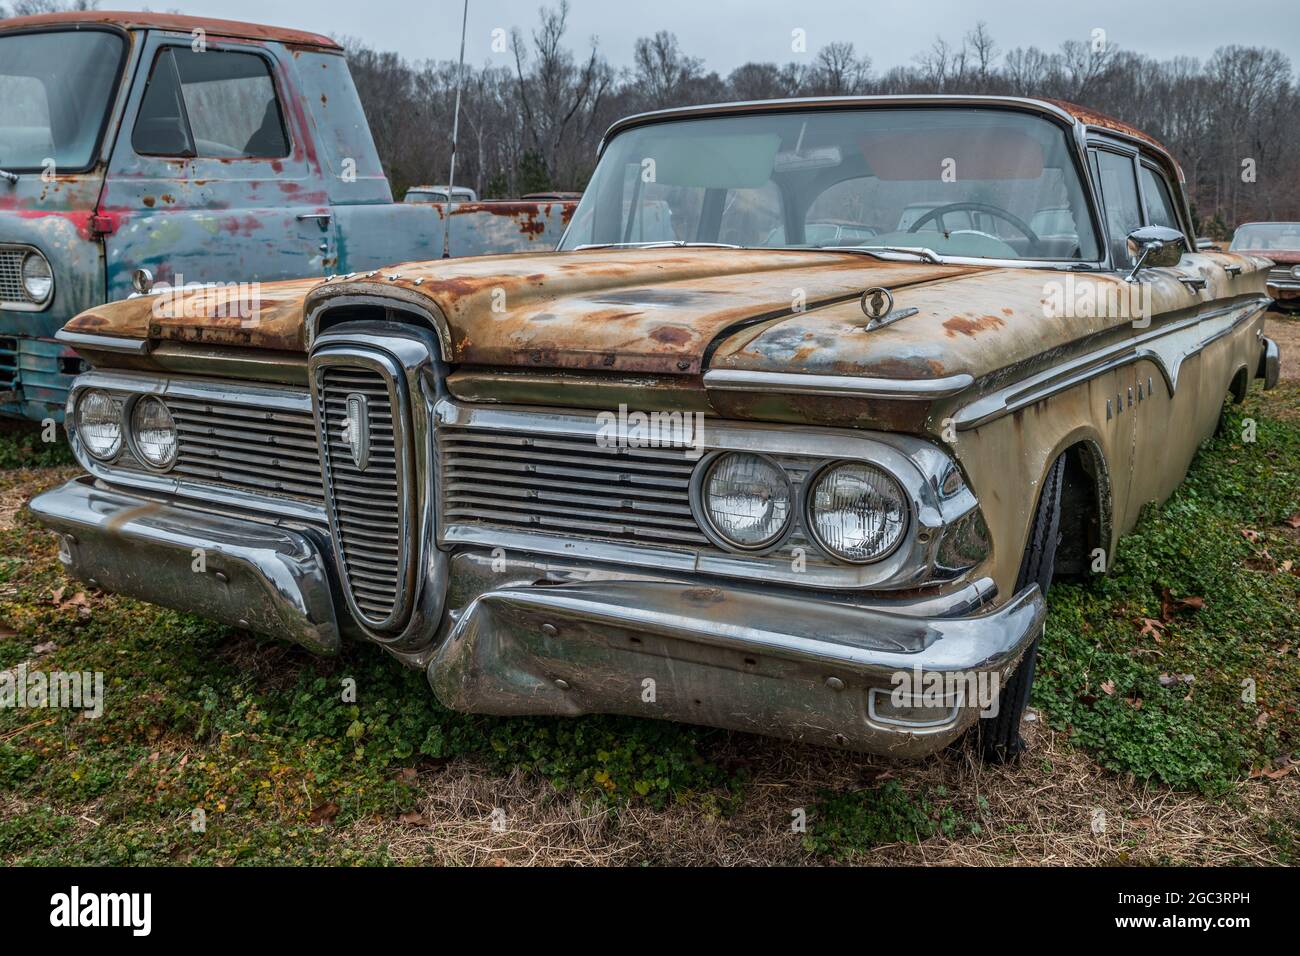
[854, 511]
[104, 423]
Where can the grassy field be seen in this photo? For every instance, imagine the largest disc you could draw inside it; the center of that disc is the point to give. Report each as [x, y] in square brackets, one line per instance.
[216, 747]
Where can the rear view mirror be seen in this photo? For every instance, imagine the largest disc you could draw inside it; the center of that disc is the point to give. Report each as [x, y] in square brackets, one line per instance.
[1151, 247]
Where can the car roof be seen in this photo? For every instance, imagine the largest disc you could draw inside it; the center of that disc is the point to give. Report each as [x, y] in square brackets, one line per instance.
[174, 22]
[1060, 109]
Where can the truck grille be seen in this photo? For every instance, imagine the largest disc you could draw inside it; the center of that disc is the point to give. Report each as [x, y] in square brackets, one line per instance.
[1282, 273]
[567, 484]
[11, 276]
[368, 508]
[248, 448]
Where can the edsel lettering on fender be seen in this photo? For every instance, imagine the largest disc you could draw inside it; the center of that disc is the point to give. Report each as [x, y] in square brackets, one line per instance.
[780, 429]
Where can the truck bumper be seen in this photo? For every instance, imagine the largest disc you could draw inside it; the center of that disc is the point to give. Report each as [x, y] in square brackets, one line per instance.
[526, 636]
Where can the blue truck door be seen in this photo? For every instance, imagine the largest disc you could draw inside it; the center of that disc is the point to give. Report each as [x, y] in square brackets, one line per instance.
[214, 176]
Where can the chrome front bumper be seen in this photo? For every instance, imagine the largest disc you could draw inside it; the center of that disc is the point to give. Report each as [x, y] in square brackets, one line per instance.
[1270, 363]
[248, 574]
[537, 635]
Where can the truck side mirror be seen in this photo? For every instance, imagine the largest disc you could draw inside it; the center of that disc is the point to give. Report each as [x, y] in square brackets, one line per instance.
[1154, 246]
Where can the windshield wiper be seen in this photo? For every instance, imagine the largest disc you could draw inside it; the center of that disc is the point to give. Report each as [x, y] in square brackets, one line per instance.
[657, 244]
[11, 177]
[920, 252]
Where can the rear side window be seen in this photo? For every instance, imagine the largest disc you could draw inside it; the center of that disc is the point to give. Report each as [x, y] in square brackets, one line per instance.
[212, 104]
[1120, 195]
[1157, 199]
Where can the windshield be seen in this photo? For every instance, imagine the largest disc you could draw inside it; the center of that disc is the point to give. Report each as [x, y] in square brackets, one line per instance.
[54, 93]
[961, 182]
[1267, 235]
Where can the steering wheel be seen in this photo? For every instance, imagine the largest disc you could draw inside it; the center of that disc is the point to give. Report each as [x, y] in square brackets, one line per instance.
[938, 212]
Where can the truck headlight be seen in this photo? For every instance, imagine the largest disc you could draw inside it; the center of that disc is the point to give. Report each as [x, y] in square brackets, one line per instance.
[747, 501]
[38, 279]
[153, 432]
[99, 424]
[857, 512]
[1295, 271]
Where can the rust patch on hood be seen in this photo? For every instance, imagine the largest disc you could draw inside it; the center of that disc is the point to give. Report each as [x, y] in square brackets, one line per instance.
[968, 326]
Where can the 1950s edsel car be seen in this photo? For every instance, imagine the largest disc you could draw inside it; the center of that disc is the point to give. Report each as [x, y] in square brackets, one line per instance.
[693, 465]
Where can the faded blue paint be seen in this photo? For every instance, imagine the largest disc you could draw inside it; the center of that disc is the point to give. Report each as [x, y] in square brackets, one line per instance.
[214, 220]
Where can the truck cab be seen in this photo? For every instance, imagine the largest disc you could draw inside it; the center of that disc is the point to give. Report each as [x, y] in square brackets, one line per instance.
[143, 150]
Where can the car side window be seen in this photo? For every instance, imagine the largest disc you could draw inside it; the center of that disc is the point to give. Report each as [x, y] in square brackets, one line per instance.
[212, 104]
[1158, 200]
[1120, 195]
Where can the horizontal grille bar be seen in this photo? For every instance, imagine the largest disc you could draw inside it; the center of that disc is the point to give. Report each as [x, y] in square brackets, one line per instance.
[567, 484]
[248, 448]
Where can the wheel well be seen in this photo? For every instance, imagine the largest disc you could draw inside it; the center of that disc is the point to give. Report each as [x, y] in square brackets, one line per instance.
[1240, 386]
[1082, 518]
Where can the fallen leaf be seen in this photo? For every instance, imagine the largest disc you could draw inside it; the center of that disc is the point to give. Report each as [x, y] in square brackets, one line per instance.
[1145, 822]
[1151, 626]
[46, 648]
[413, 818]
[1108, 687]
[1250, 535]
[1294, 520]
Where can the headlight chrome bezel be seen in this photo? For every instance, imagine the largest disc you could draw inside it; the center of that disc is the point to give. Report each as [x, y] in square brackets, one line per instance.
[800, 524]
[131, 408]
[35, 255]
[809, 502]
[78, 423]
[698, 491]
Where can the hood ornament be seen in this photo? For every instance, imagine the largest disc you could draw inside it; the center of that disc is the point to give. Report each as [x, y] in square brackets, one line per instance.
[356, 429]
[878, 306]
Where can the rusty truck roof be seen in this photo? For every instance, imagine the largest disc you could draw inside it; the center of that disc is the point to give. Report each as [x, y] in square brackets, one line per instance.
[170, 21]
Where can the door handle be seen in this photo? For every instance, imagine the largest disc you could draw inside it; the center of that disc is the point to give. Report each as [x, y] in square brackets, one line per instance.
[1232, 270]
[322, 218]
[1195, 284]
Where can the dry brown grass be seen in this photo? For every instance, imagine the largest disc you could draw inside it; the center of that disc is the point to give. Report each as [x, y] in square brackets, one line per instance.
[1039, 813]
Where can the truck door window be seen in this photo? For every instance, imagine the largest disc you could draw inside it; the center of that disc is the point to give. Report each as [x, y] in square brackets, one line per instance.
[214, 104]
[1157, 200]
[1119, 192]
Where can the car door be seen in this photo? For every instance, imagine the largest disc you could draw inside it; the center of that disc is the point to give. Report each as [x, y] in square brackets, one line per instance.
[212, 178]
[1168, 402]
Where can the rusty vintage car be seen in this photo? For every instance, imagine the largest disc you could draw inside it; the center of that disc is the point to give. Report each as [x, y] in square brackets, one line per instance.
[1280, 243]
[694, 464]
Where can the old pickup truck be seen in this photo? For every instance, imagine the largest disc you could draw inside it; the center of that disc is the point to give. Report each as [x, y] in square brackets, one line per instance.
[733, 477]
[170, 149]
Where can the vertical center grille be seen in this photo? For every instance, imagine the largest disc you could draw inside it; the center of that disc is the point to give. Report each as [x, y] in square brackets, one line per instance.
[366, 464]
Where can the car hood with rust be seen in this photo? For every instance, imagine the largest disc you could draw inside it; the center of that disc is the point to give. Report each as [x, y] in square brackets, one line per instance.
[678, 312]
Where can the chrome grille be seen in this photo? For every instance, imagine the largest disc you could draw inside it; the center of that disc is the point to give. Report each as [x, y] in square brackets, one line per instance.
[567, 483]
[367, 507]
[1282, 272]
[11, 276]
[248, 448]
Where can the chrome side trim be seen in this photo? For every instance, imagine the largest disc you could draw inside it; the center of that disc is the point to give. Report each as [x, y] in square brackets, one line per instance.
[102, 343]
[837, 386]
[1164, 346]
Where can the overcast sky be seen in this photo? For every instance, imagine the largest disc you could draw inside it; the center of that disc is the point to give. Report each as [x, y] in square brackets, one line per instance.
[726, 33]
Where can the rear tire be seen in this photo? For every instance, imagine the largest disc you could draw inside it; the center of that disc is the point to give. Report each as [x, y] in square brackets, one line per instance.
[999, 737]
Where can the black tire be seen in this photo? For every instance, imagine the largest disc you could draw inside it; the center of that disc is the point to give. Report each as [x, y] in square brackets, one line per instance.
[999, 737]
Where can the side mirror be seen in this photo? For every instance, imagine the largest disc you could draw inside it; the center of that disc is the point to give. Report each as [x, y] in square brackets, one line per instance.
[1155, 246]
